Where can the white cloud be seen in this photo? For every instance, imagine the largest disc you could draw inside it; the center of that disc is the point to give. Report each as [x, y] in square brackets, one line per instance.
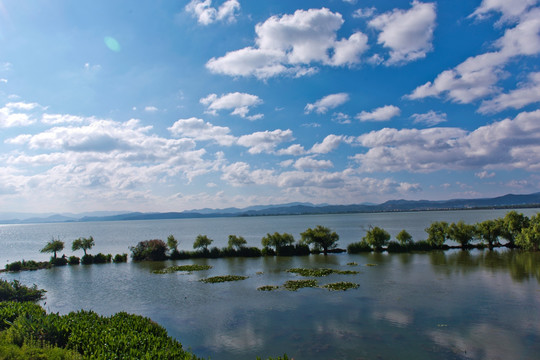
[506, 144]
[511, 10]
[151, 109]
[328, 102]
[198, 129]
[54, 119]
[2, 80]
[309, 163]
[484, 174]
[364, 13]
[11, 115]
[207, 14]
[383, 113]
[341, 118]
[290, 44]
[331, 142]
[525, 94]
[431, 118]
[408, 34]
[239, 103]
[294, 150]
[477, 76]
[265, 141]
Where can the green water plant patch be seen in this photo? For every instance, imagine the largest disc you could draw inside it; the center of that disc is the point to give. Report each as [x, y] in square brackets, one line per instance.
[268, 288]
[293, 285]
[341, 286]
[320, 272]
[186, 268]
[223, 278]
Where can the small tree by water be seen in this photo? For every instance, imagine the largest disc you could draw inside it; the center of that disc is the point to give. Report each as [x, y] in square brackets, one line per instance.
[202, 242]
[321, 237]
[83, 243]
[53, 246]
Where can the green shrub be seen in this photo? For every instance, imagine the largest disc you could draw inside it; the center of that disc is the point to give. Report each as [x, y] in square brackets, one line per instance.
[153, 250]
[59, 261]
[87, 259]
[422, 245]
[120, 258]
[268, 251]
[11, 310]
[395, 247]
[102, 258]
[358, 247]
[15, 291]
[28, 265]
[74, 260]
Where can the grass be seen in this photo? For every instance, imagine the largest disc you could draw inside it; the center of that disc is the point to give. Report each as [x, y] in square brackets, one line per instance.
[187, 268]
[225, 278]
[293, 285]
[320, 272]
[341, 286]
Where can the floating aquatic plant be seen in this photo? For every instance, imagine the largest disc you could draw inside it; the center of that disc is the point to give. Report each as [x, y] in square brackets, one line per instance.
[341, 286]
[223, 278]
[320, 272]
[187, 268]
[293, 285]
[268, 288]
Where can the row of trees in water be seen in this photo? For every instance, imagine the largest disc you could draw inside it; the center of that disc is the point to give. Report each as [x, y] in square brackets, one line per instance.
[518, 230]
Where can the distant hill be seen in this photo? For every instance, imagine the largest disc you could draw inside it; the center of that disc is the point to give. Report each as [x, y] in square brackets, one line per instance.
[506, 201]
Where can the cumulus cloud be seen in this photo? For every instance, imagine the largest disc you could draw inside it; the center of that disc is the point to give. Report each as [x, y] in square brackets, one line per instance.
[408, 34]
[15, 114]
[239, 103]
[332, 101]
[265, 141]
[477, 76]
[198, 129]
[431, 118]
[151, 109]
[206, 14]
[291, 44]
[331, 142]
[507, 144]
[383, 113]
[525, 94]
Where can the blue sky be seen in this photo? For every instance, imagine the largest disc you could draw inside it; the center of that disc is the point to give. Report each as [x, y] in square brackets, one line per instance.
[176, 105]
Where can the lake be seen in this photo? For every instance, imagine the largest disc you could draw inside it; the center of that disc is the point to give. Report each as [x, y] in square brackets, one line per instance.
[445, 305]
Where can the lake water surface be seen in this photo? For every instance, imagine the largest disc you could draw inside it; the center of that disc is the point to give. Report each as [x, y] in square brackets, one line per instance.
[444, 305]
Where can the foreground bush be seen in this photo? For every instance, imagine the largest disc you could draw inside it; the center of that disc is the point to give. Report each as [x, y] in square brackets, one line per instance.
[15, 291]
[121, 336]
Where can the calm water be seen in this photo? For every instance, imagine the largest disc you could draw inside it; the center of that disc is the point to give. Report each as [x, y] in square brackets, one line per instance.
[444, 305]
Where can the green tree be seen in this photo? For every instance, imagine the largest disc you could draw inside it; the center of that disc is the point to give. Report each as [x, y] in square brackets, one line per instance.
[53, 246]
[461, 233]
[153, 250]
[83, 243]
[404, 238]
[202, 242]
[512, 224]
[237, 242]
[172, 243]
[529, 237]
[437, 233]
[489, 231]
[321, 237]
[376, 237]
[277, 241]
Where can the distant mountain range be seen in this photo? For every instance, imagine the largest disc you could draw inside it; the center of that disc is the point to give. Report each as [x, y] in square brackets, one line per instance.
[506, 201]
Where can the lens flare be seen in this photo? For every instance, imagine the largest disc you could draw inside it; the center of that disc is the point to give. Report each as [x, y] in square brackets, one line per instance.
[112, 44]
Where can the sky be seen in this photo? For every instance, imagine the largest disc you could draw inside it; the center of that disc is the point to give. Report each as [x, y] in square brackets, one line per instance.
[173, 105]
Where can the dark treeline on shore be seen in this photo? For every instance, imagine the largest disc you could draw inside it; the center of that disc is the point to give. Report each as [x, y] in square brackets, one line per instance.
[515, 229]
